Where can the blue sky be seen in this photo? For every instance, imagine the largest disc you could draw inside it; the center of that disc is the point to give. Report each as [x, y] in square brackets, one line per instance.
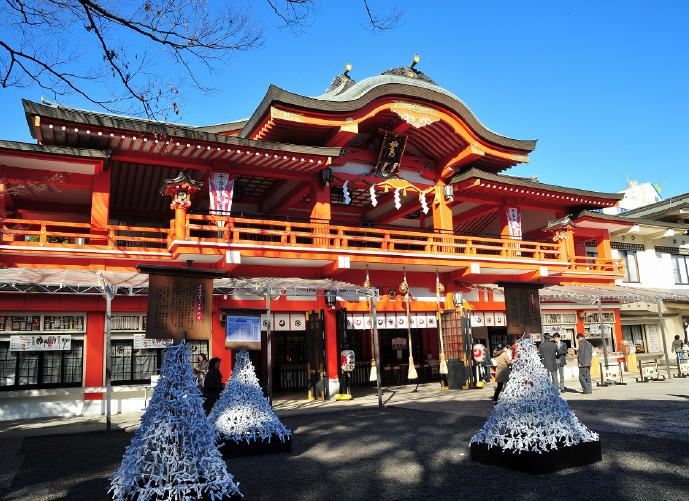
[602, 85]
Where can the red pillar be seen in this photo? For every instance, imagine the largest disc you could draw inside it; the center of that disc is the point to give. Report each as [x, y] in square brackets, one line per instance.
[94, 353]
[217, 348]
[332, 359]
[100, 205]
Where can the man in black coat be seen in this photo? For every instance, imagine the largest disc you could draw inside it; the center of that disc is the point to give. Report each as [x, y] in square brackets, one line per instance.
[561, 359]
[548, 353]
[584, 355]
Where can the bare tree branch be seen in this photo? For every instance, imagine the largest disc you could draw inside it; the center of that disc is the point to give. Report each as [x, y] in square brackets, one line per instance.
[133, 56]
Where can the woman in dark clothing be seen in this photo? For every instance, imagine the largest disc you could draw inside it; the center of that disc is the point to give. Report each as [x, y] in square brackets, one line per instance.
[212, 385]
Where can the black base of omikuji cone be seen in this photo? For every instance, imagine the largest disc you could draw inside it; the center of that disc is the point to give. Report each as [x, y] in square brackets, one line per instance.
[580, 454]
[231, 449]
[234, 497]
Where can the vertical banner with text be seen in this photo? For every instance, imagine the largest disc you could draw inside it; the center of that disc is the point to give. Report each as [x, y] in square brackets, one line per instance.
[220, 193]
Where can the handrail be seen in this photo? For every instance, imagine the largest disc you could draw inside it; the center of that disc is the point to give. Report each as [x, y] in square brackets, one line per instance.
[202, 228]
[52, 233]
[324, 234]
[597, 264]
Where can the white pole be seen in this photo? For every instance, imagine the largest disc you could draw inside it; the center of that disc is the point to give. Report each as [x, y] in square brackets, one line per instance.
[662, 331]
[108, 368]
[269, 343]
[376, 349]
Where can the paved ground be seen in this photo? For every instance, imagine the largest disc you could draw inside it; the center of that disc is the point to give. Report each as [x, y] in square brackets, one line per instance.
[417, 447]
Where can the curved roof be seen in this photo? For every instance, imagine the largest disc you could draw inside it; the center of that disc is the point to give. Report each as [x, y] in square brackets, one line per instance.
[370, 89]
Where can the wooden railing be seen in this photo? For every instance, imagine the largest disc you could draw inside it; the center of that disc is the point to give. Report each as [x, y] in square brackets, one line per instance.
[337, 236]
[304, 234]
[28, 232]
[597, 265]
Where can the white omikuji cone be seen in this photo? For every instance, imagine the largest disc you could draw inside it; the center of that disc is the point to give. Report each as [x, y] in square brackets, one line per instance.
[242, 413]
[412, 370]
[374, 371]
[530, 414]
[173, 454]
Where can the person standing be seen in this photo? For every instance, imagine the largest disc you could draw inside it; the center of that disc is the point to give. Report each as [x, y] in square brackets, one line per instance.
[561, 359]
[502, 371]
[201, 369]
[677, 348]
[584, 354]
[548, 353]
[212, 385]
[487, 363]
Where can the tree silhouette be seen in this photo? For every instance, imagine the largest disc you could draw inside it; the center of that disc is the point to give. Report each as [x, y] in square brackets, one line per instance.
[146, 51]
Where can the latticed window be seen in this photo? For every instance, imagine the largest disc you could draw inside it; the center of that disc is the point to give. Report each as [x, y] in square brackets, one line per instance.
[41, 369]
[136, 366]
[455, 335]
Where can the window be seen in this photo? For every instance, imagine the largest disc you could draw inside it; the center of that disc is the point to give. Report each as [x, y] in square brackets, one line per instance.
[631, 270]
[136, 366]
[680, 268]
[41, 369]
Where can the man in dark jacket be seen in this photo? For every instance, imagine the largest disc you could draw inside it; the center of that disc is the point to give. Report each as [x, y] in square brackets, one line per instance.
[548, 353]
[584, 354]
[561, 359]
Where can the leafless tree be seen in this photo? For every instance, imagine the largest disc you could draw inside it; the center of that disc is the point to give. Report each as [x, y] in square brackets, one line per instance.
[143, 52]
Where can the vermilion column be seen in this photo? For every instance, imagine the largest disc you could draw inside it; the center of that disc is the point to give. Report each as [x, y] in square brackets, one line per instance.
[94, 353]
[100, 206]
[333, 355]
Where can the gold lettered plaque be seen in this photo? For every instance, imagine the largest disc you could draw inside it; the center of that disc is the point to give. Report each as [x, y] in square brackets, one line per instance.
[179, 299]
[522, 307]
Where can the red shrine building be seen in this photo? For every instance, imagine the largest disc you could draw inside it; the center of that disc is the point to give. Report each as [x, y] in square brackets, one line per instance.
[388, 181]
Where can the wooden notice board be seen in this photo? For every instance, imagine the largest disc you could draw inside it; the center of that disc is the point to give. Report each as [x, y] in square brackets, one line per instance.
[179, 299]
[522, 307]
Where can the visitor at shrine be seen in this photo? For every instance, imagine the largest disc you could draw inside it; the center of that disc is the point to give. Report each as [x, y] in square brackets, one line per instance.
[548, 353]
[212, 385]
[584, 354]
[561, 359]
[201, 370]
[677, 348]
[503, 369]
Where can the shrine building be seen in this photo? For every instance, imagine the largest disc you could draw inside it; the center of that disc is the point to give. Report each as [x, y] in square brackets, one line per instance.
[311, 205]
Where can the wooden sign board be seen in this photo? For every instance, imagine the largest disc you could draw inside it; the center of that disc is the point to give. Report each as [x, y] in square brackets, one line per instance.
[179, 302]
[522, 307]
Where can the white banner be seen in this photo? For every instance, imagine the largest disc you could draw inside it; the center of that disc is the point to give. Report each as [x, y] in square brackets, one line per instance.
[143, 343]
[220, 192]
[514, 222]
[40, 343]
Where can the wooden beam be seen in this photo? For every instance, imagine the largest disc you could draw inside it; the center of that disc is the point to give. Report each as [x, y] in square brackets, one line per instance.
[290, 198]
[339, 138]
[336, 267]
[394, 214]
[458, 158]
[474, 213]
